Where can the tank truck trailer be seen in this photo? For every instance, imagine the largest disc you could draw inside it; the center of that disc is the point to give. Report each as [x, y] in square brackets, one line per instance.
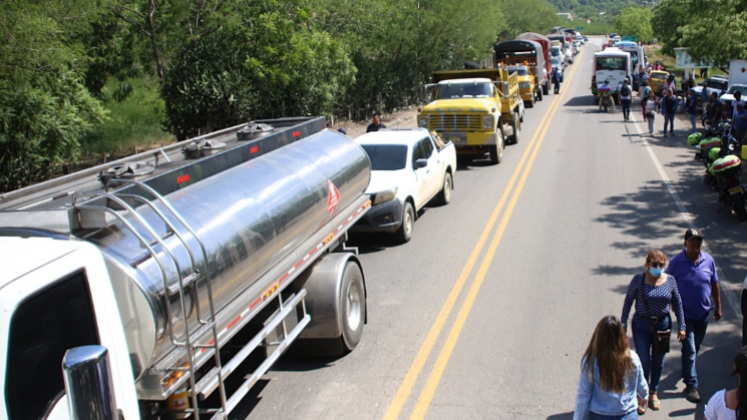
[166, 284]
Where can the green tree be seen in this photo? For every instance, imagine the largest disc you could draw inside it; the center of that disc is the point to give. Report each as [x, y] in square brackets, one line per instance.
[528, 16]
[44, 104]
[635, 21]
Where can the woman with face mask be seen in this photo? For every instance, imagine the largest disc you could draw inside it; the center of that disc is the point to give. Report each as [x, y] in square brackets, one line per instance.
[654, 293]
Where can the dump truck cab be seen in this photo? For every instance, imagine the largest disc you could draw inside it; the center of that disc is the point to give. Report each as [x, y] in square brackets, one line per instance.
[473, 109]
[525, 56]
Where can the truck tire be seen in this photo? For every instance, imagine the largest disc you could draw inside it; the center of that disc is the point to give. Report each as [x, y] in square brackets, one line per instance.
[404, 233]
[496, 150]
[546, 89]
[530, 104]
[353, 306]
[539, 93]
[516, 126]
[444, 197]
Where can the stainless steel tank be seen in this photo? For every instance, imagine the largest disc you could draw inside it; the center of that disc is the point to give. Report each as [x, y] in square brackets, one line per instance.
[248, 217]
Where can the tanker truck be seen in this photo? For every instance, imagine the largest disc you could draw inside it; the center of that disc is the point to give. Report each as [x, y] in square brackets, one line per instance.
[166, 284]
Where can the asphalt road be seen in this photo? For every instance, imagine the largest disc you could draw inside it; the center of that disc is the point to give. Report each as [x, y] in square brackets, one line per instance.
[486, 312]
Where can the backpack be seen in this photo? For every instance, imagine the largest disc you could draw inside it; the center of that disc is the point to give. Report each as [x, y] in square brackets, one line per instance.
[625, 90]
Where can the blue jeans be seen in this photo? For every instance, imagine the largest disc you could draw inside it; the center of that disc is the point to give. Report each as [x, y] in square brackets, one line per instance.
[626, 107]
[692, 121]
[652, 364]
[669, 118]
[633, 415]
[696, 330]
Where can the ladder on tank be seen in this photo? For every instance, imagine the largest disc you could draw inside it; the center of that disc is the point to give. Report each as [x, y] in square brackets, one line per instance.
[205, 324]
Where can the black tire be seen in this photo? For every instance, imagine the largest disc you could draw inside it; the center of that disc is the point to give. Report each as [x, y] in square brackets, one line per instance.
[739, 208]
[444, 197]
[404, 233]
[605, 107]
[530, 104]
[496, 151]
[353, 306]
[516, 126]
[561, 79]
[546, 89]
[539, 94]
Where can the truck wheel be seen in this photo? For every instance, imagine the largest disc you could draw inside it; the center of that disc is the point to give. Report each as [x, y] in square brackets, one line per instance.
[404, 234]
[496, 151]
[539, 94]
[353, 310]
[530, 104]
[444, 197]
[516, 126]
[546, 89]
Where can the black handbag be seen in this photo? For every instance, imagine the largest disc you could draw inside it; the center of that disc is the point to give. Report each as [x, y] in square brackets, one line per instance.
[659, 339]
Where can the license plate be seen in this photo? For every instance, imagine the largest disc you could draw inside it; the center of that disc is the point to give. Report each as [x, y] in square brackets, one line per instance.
[454, 139]
[735, 190]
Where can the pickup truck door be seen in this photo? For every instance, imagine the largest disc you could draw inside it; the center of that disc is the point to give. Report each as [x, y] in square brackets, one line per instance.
[420, 184]
[433, 170]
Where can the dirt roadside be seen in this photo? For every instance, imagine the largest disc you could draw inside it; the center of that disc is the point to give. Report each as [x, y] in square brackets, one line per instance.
[403, 118]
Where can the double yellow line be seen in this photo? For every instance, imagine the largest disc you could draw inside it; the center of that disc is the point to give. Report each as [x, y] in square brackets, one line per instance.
[431, 385]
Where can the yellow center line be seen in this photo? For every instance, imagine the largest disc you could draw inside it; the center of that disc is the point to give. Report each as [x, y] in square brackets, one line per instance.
[405, 388]
[429, 390]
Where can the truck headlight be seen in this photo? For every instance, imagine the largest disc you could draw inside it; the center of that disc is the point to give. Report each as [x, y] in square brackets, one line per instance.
[487, 122]
[384, 196]
[524, 85]
[424, 122]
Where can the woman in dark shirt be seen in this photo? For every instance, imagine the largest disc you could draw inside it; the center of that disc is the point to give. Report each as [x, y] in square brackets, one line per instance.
[660, 291]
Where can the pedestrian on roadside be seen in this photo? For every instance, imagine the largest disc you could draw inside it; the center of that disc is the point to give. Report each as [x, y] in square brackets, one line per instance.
[376, 125]
[611, 384]
[704, 96]
[715, 110]
[704, 72]
[651, 107]
[692, 108]
[725, 405]
[670, 84]
[646, 90]
[624, 95]
[737, 100]
[740, 124]
[653, 291]
[668, 110]
[556, 80]
[697, 281]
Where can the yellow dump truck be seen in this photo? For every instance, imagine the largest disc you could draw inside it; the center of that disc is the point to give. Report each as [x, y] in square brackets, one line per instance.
[475, 109]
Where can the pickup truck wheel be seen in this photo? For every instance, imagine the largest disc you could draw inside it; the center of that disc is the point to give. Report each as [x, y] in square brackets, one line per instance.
[516, 126]
[353, 310]
[444, 197]
[496, 151]
[404, 234]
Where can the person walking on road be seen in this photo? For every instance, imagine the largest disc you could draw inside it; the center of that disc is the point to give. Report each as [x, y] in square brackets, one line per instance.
[624, 95]
[376, 125]
[725, 405]
[737, 100]
[611, 383]
[668, 110]
[697, 281]
[653, 291]
[650, 108]
[692, 108]
[556, 80]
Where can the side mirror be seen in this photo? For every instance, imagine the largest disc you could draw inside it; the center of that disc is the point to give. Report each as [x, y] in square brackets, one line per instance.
[421, 163]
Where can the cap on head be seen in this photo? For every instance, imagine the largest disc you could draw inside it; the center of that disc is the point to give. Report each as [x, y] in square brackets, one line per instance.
[607, 81]
[693, 234]
[342, 130]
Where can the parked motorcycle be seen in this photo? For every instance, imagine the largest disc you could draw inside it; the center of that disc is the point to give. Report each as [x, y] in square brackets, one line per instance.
[727, 170]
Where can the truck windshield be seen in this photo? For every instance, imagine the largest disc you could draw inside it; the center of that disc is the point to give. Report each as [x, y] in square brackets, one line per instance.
[463, 90]
[521, 71]
[386, 157]
[611, 63]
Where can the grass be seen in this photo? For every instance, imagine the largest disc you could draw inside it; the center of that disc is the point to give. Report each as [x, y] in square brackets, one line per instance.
[134, 124]
[655, 55]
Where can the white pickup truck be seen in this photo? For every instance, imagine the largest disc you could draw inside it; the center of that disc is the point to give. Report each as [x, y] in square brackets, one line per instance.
[409, 169]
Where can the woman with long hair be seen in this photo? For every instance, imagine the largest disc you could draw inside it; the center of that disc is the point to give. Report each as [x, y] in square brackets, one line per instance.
[611, 381]
[727, 405]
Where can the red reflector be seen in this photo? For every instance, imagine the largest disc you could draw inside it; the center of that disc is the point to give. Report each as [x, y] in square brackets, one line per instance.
[254, 150]
[296, 133]
[182, 179]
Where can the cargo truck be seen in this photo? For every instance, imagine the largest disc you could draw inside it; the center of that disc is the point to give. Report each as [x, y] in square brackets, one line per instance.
[473, 109]
[165, 285]
[546, 44]
[529, 54]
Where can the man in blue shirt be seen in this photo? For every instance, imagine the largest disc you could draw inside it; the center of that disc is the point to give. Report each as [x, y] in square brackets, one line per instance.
[697, 281]
[740, 123]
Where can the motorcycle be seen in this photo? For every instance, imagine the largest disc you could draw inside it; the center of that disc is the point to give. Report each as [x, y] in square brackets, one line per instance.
[724, 169]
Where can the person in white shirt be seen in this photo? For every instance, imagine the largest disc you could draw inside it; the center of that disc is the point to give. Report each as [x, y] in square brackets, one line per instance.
[723, 404]
[737, 100]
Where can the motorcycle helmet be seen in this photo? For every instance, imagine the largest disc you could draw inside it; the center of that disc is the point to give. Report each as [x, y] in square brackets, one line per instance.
[694, 138]
[713, 154]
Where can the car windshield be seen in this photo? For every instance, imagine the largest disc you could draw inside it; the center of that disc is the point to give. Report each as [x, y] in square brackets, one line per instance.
[740, 88]
[554, 61]
[611, 63]
[386, 157]
[463, 90]
[659, 76]
[718, 84]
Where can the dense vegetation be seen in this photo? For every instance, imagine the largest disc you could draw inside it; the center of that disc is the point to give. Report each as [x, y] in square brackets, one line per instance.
[97, 75]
